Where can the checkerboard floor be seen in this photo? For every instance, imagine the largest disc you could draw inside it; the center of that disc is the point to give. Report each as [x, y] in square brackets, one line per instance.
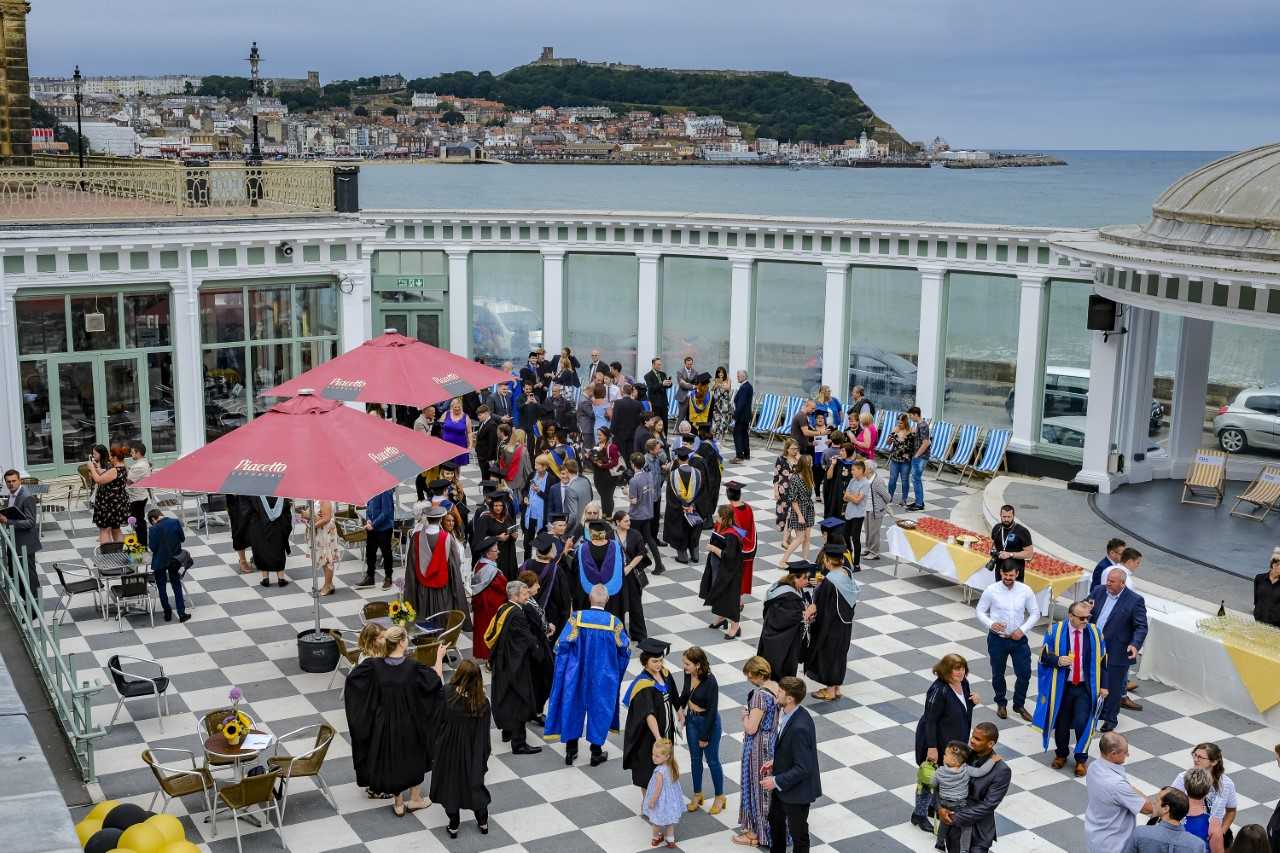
[242, 634]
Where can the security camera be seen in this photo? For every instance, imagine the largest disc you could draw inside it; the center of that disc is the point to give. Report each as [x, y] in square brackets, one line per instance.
[286, 249]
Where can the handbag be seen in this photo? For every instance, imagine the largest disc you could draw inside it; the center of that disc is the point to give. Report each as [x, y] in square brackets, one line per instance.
[184, 561]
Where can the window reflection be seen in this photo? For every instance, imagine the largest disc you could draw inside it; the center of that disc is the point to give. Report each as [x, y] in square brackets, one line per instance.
[695, 312]
[788, 322]
[981, 348]
[95, 322]
[601, 302]
[42, 325]
[884, 336]
[506, 305]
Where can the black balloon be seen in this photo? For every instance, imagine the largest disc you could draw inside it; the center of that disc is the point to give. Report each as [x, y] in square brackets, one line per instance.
[104, 839]
[124, 816]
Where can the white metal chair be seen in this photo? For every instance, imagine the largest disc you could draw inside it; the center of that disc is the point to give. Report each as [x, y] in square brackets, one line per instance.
[134, 685]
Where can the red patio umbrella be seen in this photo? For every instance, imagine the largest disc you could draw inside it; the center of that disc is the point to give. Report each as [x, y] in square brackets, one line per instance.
[394, 369]
[309, 448]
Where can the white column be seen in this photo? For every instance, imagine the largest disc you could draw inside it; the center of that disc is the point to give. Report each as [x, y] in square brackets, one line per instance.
[356, 307]
[188, 364]
[553, 300]
[1134, 402]
[647, 330]
[931, 369]
[741, 308]
[459, 301]
[835, 328]
[1186, 422]
[1033, 312]
[12, 445]
[1101, 421]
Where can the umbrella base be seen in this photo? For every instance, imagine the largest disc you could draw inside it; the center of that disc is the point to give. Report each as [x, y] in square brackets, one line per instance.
[317, 652]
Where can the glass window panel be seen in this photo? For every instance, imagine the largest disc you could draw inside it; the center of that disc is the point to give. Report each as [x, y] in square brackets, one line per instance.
[164, 435]
[316, 310]
[1066, 360]
[601, 305]
[146, 319]
[268, 312]
[411, 263]
[695, 311]
[884, 336]
[86, 310]
[312, 353]
[36, 428]
[981, 348]
[1241, 357]
[79, 410]
[506, 305]
[42, 325]
[272, 365]
[225, 391]
[221, 316]
[123, 398]
[788, 323]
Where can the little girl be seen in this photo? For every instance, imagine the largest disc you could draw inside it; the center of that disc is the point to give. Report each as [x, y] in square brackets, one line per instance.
[663, 799]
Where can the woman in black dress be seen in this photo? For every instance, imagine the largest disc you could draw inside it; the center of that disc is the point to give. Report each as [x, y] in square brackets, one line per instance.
[785, 615]
[722, 578]
[948, 716]
[269, 535]
[462, 750]
[110, 493]
[393, 705]
[651, 715]
[240, 514]
[826, 656]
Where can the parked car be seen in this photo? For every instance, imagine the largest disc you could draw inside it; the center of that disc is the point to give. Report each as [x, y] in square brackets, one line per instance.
[888, 378]
[1252, 419]
[1068, 431]
[1066, 392]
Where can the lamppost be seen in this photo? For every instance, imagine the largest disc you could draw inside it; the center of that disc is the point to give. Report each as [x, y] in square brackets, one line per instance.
[254, 60]
[79, 96]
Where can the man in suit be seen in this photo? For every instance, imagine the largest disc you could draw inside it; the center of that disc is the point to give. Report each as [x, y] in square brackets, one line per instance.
[531, 377]
[23, 517]
[686, 381]
[166, 538]
[1070, 685]
[486, 441]
[742, 400]
[986, 793]
[658, 386]
[1121, 616]
[596, 365]
[627, 414]
[500, 403]
[792, 775]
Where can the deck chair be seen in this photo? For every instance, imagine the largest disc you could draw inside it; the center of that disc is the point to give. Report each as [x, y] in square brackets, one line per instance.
[890, 421]
[1263, 493]
[1206, 479]
[942, 434]
[966, 444]
[782, 429]
[992, 458]
[673, 409]
[766, 414]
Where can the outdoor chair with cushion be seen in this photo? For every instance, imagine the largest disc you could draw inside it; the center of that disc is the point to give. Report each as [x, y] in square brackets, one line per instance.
[211, 508]
[1206, 478]
[81, 581]
[136, 685]
[175, 781]
[1263, 494]
[303, 765]
[241, 797]
[132, 591]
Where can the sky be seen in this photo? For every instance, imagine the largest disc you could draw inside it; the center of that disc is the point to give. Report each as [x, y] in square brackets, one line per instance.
[1135, 74]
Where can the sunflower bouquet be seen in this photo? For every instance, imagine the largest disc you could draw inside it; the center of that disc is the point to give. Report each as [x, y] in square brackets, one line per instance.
[132, 547]
[237, 723]
[402, 613]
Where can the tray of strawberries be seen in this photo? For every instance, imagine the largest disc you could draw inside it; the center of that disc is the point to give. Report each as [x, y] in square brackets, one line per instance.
[1042, 564]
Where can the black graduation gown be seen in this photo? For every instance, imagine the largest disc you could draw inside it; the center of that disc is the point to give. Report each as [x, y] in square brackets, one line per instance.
[782, 635]
[826, 656]
[391, 714]
[710, 497]
[637, 739]
[270, 539]
[679, 534]
[487, 525]
[240, 515]
[722, 577]
[555, 593]
[833, 490]
[512, 657]
[461, 757]
[544, 662]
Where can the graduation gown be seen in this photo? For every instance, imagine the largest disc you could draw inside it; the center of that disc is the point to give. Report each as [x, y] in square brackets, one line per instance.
[642, 699]
[392, 710]
[488, 593]
[722, 576]
[514, 651]
[544, 664]
[599, 564]
[711, 471]
[833, 489]
[745, 518]
[487, 525]
[684, 490]
[240, 516]
[782, 635]
[591, 658]
[433, 577]
[555, 590]
[826, 657]
[270, 539]
[461, 757]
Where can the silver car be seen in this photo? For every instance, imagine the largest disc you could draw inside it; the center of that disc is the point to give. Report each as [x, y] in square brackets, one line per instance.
[1252, 419]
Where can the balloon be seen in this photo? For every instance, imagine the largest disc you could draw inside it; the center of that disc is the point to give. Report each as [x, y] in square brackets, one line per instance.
[181, 847]
[169, 827]
[86, 829]
[124, 816]
[142, 838]
[101, 810]
[103, 840]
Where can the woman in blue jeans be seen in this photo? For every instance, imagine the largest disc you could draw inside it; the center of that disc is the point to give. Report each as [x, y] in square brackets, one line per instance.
[698, 704]
[902, 447]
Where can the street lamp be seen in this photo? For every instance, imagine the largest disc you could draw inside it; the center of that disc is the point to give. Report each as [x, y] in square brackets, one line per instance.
[77, 79]
[254, 60]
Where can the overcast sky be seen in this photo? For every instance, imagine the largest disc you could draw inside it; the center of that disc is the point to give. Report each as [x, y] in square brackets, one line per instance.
[998, 73]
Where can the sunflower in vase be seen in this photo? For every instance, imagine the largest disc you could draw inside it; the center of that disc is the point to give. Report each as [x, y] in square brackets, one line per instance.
[235, 727]
[132, 548]
[402, 613]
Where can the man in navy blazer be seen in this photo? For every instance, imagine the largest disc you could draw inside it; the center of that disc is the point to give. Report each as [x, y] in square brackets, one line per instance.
[742, 399]
[1121, 615]
[792, 775]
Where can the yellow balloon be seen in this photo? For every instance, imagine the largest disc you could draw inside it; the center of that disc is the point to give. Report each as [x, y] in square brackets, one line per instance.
[181, 847]
[169, 827]
[99, 812]
[121, 850]
[86, 828]
[142, 838]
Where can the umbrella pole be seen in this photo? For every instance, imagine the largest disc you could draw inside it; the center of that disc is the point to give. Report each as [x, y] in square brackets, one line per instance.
[315, 589]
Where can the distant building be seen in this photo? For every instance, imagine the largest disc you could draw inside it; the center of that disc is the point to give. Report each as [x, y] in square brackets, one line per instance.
[390, 82]
[767, 146]
[703, 127]
[579, 113]
[108, 138]
[424, 100]
[167, 84]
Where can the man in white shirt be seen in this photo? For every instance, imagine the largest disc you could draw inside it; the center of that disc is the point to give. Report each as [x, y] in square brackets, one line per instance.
[1009, 609]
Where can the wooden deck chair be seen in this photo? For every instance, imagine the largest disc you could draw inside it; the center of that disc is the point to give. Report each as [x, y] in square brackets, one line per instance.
[966, 444]
[890, 421]
[942, 434]
[1206, 478]
[673, 409]
[1263, 493]
[992, 458]
[782, 429]
[767, 414]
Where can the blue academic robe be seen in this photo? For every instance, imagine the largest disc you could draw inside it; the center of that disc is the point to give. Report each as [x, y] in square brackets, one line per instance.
[591, 658]
[1052, 679]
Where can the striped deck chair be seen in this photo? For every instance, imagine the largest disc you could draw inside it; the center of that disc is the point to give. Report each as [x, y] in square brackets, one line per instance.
[1206, 479]
[673, 409]
[942, 434]
[966, 444]
[783, 428]
[890, 421]
[992, 458]
[1263, 493]
[767, 414]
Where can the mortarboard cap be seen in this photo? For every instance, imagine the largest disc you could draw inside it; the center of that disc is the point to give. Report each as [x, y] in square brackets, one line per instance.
[487, 485]
[544, 542]
[831, 524]
[702, 378]
[556, 516]
[732, 486]
[448, 465]
[802, 567]
[833, 549]
[485, 544]
[495, 496]
[682, 452]
[436, 512]
[598, 526]
[652, 646]
[438, 485]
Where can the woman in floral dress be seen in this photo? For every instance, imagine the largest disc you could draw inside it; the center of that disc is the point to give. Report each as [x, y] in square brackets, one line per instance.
[110, 494]
[721, 404]
[782, 470]
[759, 719]
[328, 550]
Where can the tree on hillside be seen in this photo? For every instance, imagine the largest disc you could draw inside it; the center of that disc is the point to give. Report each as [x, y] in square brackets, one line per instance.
[360, 111]
[453, 117]
[390, 111]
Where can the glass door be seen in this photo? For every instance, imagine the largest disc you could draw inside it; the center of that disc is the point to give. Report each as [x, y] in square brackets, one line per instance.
[104, 400]
[76, 427]
[427, 327]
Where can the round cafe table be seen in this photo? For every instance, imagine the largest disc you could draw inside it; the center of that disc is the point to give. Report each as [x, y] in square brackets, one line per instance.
[216, 746]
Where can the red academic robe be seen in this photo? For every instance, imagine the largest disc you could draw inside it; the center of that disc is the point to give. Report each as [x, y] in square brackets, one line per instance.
[484, 605]
[744, 517]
